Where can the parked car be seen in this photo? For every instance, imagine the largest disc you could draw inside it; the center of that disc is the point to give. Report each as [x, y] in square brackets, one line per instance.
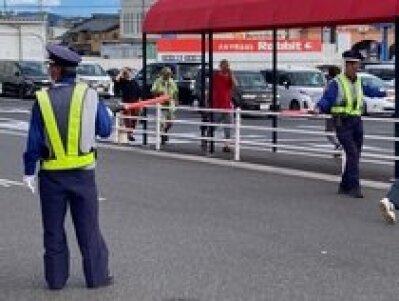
[183, 74]
[251, 92]
[299, 88]
[377, 105]
[96, 77]
[325, 68]
[385, 71]
[23, 78]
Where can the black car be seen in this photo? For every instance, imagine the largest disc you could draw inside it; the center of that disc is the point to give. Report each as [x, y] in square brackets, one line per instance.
[23, 78]
[183, 74]
[251, 92]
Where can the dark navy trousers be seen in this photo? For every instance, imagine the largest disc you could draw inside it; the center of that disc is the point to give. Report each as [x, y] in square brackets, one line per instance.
[350, 135]
[76, 189]
[393, 194]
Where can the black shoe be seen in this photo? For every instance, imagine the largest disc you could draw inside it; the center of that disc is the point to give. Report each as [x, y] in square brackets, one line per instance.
[226, 149]
[342, 191]
[107, 282]
[164, 139]
[356, 194]
[55, 288]
[338, 147]
[204, 146]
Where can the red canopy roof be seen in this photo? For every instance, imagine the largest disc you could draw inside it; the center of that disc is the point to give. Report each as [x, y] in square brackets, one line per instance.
[194, 16]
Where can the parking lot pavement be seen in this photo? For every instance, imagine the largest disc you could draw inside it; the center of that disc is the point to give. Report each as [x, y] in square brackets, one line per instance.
[181, 230]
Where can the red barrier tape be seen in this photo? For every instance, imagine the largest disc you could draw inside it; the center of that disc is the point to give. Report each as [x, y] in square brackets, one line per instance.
[294, 112]
[145, 103]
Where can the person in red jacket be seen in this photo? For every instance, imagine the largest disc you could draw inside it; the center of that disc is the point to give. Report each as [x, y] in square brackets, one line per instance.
[223, 85]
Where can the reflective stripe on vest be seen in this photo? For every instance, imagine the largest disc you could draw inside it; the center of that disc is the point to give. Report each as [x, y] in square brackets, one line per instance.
[349, 106]
[69, 158]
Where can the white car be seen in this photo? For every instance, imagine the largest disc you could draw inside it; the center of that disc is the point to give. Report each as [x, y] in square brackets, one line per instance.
[299, 88]
[377, 105]
[385, 71]
[96, 77]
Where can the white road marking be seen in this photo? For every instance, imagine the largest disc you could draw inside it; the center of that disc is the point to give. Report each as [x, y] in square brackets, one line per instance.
[9, 183]
[9, 123]
[248, 166]
[365, 147]
[14, 111]
[222, 162]
[303, 140]
[316, 127]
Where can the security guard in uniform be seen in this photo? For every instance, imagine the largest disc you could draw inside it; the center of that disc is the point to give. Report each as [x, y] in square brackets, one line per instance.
[343, 98]
[64, 122]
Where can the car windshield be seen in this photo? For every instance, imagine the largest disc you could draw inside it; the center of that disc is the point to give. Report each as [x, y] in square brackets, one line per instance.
[383, 73]
[90, 70]
[251, 80]
[188, 72]
[307, 79]
[33, 68]
[373, 81]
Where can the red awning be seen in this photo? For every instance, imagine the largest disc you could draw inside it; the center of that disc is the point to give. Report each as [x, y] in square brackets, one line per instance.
[194, 16]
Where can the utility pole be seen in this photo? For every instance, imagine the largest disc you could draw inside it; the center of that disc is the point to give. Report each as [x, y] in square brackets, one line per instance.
[142, 14]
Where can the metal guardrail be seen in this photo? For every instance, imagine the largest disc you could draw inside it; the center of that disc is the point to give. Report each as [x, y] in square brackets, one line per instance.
[239, 144]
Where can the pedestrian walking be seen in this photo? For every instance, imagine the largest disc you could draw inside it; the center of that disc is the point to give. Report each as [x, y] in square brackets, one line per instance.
[343, 98]
[65, 120]
[223, 85]
[131, 93]
[165, 85]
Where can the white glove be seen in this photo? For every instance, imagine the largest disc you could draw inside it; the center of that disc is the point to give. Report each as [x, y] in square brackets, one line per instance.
[29, 181]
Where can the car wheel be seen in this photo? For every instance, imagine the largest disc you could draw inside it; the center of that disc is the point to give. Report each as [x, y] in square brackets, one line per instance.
[295, 105]
[21, 92]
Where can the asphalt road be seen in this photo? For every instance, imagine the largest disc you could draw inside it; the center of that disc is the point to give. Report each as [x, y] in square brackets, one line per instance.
[180, 230]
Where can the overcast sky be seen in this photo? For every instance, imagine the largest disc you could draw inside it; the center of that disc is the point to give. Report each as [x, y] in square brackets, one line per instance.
[65, 7]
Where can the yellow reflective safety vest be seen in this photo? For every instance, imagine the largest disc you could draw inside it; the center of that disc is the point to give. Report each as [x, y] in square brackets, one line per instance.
[69, 157]
[349, 106]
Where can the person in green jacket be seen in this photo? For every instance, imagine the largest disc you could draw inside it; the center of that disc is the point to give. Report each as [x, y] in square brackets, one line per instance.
[165, 85]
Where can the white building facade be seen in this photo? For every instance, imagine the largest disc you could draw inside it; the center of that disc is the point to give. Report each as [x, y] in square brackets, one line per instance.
[131, 17]
[23, 39]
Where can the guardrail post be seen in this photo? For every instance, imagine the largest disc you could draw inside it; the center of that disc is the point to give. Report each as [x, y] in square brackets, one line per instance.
[158, 117]
[237, 137]
[116, 127]
[343, 162]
